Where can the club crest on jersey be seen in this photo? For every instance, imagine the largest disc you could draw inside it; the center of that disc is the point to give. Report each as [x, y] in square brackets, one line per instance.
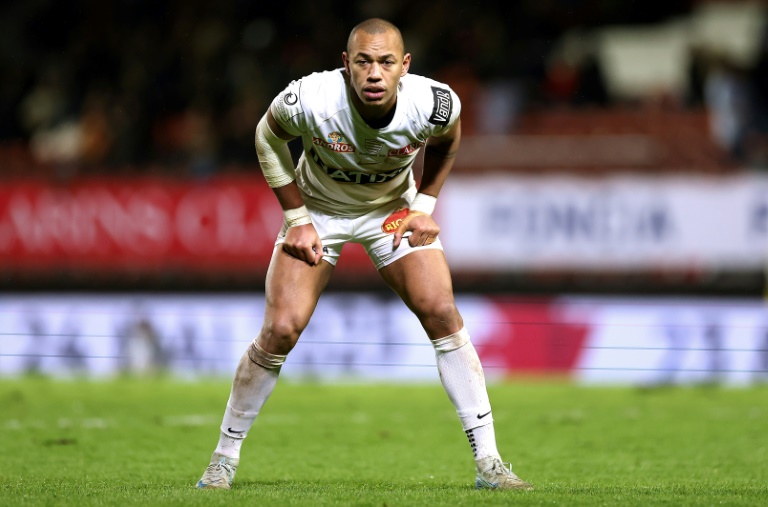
[373, 146]
[406, 150]
[335, 141]
[442, 106]
[393, 221]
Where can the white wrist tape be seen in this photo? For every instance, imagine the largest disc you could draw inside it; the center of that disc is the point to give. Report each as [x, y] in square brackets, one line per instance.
[274, 156]
[296, 216]
[424, 203]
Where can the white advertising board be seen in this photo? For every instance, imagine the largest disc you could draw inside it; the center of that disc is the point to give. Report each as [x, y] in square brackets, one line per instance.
[370, 337]
[618, 222]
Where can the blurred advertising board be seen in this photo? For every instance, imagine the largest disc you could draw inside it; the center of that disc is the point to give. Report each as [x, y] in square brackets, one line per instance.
[144, 225]
[493, 223]
[614, 223]
[372, 337]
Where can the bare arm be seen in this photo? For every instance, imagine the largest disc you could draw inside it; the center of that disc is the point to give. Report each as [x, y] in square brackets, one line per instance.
[301, 241]
[439, 155]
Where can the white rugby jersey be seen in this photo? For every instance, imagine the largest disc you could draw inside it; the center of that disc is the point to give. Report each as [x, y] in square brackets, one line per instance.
[348, 167]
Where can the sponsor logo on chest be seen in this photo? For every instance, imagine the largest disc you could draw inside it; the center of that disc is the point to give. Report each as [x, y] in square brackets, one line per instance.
[334, 142]
[343, 176]
[407, 150]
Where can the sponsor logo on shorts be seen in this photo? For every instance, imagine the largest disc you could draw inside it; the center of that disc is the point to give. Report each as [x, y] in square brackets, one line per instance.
[443, 105]
[334, 142]
[393, 221]
[406, 150]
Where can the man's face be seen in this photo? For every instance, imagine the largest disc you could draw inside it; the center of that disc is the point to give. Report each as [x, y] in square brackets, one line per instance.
[375, 63]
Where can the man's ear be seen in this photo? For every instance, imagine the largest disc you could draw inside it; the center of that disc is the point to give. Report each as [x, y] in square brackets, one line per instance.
[345, 59]
[406, 64]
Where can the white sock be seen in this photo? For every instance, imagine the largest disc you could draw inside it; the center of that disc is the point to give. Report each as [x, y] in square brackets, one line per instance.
[251, 388]
[483, 441]
[462, 376]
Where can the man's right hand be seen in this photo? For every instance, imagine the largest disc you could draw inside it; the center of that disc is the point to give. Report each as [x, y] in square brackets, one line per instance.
[303, 243]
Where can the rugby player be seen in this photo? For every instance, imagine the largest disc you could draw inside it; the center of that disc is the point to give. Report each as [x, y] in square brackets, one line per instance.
[362, 126]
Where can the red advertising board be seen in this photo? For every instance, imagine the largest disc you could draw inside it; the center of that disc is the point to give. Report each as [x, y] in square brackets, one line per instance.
[143, 225]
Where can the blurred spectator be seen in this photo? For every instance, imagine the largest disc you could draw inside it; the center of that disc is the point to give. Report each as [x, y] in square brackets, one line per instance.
[726, 95]
[757, 137]
[98, 86]
[141, 351]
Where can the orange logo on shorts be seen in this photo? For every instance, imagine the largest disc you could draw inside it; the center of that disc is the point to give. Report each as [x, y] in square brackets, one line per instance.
[394, 220]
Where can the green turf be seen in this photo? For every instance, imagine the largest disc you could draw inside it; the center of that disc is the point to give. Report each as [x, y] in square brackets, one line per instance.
[130, 442]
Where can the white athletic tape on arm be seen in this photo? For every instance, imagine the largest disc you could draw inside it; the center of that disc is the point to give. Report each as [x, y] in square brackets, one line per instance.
[274, 156]
[296, 216]
[424, 203]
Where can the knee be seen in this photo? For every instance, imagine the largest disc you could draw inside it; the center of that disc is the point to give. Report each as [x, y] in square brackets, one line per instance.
[279, 335]
[441, 318]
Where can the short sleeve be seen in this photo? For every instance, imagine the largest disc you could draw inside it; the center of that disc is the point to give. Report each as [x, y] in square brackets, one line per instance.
[446, 108]
[287, 109]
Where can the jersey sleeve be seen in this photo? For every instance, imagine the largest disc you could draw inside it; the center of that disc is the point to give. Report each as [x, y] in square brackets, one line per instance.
[446, 108]
[288, 111]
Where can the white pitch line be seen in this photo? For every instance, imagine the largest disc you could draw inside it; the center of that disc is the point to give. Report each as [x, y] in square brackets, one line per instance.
[191, 420]
[88, 424]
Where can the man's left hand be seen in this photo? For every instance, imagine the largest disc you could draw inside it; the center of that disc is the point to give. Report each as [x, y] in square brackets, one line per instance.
[423, 229]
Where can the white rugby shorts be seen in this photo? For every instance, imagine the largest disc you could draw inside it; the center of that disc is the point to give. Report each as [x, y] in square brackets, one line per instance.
[375, 231]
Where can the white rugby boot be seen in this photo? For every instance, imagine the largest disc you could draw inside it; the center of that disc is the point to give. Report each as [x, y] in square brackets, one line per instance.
[493, 474]
[220, 473]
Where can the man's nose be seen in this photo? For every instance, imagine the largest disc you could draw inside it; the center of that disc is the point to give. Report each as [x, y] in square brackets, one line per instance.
[375, 73]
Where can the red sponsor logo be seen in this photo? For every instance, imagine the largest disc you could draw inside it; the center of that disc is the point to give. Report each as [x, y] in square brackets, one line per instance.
[338, 147]
[394, 220]
[407, 150]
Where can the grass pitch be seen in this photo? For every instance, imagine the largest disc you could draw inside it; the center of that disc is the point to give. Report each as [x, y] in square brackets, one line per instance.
[146, 442]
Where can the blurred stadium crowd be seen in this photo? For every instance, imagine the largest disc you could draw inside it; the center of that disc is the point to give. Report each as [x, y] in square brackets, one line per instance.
[146, 86]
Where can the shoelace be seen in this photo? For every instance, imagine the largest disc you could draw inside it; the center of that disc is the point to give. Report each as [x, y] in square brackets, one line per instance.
[226, 466]
[501, 468]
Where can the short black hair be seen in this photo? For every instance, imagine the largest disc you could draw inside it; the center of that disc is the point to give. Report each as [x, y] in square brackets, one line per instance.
[375, 26]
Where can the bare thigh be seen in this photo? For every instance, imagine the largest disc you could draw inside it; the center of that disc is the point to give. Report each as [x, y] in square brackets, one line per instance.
[292, 290]
[422, 279]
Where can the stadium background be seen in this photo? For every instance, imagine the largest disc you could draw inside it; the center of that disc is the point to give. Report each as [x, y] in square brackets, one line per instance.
[606, 221]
